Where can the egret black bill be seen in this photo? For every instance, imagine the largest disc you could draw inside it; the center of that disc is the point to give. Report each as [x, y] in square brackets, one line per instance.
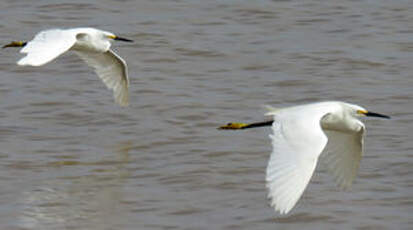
[122, 39]
[372, 114]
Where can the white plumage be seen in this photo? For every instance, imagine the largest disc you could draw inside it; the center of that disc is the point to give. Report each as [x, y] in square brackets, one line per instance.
[301, 134]
[92, 45]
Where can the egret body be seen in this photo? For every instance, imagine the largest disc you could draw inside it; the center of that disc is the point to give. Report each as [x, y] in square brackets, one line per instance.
[90, 44]
[303, 134]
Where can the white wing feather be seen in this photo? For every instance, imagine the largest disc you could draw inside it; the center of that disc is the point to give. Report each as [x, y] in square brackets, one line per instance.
[297, 143]
[112, 70]
[46, 46]
[342, 155]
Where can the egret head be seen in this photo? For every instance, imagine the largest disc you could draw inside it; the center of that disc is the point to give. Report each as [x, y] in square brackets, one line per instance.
[116, 38]
[359, 111]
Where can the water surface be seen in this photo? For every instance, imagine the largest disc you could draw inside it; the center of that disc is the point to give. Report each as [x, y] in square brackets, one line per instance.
[72, 159]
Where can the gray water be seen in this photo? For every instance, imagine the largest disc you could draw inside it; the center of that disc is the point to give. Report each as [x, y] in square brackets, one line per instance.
[70, 158]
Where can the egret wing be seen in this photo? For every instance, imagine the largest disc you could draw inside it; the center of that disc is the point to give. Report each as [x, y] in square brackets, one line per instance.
[112, 70]
[46, 46]
[342, 155]
[297, 142]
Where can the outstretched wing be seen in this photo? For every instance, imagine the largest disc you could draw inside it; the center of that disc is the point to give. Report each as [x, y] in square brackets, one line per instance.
[112, 70]
[297, 141]
[342, 155]
[46, 46]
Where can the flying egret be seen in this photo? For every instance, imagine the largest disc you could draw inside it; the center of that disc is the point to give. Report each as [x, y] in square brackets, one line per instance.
[92, 45]
[301, 134]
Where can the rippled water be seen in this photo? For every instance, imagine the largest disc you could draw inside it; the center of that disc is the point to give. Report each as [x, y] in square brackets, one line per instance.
[72, 159]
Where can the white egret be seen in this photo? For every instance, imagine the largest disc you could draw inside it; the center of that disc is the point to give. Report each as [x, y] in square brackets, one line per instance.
[300, 135]
[92, 45]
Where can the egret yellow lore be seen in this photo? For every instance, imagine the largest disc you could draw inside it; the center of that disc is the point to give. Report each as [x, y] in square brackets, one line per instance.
[303, 134]
[90, 44]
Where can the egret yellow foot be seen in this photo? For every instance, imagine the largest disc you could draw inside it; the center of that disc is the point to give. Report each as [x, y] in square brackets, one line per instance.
[15, 44]
[234, 126]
